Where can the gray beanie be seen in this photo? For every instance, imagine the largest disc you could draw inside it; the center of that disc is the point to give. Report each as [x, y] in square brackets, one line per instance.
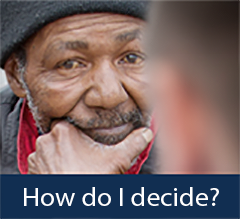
[20, 19]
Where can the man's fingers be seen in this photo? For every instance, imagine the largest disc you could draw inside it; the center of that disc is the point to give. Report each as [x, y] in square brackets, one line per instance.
[62, 129]
[59, 124]
[31, 163]
[133, 145]
[147, 135]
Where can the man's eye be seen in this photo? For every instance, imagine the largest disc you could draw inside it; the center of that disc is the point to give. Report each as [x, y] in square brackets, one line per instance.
[131, 59]
[71, 64]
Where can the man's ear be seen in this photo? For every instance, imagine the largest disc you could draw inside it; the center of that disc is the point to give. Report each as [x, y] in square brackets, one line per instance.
[13, 76]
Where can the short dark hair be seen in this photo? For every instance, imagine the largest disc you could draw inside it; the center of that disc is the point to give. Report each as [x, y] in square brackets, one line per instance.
[201, 38]
[21, 56]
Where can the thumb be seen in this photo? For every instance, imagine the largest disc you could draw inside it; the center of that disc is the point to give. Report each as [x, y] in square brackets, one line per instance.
[134, 144]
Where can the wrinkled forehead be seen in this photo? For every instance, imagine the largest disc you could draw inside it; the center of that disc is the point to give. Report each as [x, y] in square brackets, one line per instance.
[89, 25]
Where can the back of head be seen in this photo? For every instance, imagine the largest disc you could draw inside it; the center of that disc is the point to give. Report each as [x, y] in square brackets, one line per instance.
[201, 39]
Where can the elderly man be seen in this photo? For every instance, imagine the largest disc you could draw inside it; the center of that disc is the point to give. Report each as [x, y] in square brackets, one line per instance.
[75, 69]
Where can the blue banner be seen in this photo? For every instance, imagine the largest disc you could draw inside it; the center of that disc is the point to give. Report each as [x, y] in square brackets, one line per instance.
[120, 196]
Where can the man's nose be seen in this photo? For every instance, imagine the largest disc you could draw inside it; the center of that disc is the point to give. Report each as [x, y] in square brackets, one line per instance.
[107, 90]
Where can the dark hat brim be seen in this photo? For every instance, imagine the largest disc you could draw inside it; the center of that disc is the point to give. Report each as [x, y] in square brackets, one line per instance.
[21, 19]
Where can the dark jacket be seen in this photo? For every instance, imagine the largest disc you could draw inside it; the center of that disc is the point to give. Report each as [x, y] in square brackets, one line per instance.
[10, 110]
[10, 107]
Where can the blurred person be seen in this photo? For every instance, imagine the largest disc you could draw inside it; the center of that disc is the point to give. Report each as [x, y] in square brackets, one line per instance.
[194, 72]
[77, 99]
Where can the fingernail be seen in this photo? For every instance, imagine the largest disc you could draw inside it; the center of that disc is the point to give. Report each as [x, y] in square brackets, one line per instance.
[147, 134]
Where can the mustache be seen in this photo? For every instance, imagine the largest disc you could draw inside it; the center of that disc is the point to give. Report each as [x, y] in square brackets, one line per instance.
[109, 119]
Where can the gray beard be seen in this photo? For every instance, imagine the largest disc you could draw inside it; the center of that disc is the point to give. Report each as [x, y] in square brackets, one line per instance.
[34, 109]
[38, 118]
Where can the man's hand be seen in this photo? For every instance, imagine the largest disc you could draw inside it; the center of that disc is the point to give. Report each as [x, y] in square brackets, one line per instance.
[66, 150]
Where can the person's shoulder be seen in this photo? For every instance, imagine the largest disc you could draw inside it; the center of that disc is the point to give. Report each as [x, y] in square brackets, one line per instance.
[7, 96]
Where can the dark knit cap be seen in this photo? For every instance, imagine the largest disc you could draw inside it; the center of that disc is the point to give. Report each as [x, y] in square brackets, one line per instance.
[20, 19]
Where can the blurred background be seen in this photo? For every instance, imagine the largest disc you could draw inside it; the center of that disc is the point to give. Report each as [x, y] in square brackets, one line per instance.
[3, 79]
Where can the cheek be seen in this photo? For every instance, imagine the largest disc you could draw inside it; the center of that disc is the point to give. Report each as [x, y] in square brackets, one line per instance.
[137, 87]
[165, 89]
[168, 101]
[55, 99]
[175, 112]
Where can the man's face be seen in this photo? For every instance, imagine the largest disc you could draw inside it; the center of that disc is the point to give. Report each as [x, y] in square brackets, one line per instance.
[88, 69]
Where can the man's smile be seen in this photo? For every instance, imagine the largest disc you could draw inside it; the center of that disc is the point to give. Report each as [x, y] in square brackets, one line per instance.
[109, 126]
[118, 130]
